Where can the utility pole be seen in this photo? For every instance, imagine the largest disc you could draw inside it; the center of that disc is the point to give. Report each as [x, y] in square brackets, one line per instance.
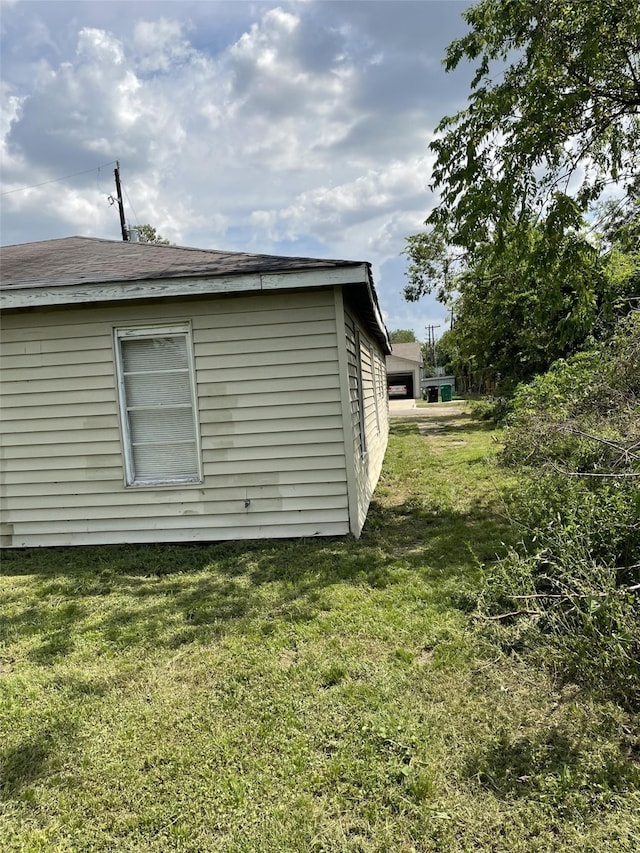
[123, 224]
[431, 342]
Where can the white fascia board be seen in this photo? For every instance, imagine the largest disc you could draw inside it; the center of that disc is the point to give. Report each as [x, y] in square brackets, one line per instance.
[25, 296]
[378, 315]
[88, 293]
[355, 274]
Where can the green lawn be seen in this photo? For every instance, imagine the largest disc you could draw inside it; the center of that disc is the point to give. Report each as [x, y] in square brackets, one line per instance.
[327, 695]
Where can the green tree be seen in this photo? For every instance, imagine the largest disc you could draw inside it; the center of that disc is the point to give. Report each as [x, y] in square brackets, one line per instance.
[432, 267]
[515, 317]
[621, 250]
[553, 116]
[519, 310]
[402, 336]
[148, 234]
[443, 354]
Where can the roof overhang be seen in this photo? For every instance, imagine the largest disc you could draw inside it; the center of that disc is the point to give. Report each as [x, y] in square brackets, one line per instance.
[36, 295]
[84, 271]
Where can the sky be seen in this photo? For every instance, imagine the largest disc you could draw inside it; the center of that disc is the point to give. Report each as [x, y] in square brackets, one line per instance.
[288, 128]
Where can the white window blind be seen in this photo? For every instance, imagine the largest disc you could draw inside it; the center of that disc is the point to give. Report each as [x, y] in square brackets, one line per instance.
[158, 405]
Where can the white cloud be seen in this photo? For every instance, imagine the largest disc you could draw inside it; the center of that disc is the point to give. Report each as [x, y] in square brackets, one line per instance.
[160, 45]
[238, 126]
[372, 200]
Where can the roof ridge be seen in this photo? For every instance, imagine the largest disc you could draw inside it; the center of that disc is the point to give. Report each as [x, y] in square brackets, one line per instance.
[218, 252]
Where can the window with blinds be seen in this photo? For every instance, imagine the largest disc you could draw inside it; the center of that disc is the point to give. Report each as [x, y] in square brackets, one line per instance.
[158, 405]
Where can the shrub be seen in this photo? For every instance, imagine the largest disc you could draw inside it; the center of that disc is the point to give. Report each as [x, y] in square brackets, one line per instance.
[490, 408]
[570, 592]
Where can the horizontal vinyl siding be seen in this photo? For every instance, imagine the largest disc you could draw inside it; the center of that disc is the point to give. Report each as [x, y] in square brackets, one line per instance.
[375, 419]
[192, 499]
[305, 404]
[269, 412]
[101, 490]
[97, 536]
[199, 514]
[51, 454]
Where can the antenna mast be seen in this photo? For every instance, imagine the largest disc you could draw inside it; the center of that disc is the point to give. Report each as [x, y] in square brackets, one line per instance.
[123, 224]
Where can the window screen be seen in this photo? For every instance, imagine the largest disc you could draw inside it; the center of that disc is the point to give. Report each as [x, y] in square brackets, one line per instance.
[157, 402]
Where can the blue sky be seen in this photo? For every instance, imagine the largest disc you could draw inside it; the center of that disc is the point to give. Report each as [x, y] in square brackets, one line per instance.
[287, 128]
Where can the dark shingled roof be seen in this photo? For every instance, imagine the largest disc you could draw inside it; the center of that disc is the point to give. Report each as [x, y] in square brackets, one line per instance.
[77, 260]
[90, 260]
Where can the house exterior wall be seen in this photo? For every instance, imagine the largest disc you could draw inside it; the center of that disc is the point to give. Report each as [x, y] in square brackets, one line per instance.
[368, 415]
[270, 405]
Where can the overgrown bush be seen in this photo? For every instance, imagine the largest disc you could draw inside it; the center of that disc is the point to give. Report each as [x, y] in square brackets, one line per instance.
[489, 408]
[571, 591]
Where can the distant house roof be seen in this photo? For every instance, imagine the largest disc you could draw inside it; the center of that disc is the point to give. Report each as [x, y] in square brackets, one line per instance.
[88, 269]
[410, 351]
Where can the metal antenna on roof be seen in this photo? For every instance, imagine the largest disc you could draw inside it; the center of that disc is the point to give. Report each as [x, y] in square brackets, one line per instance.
[123, 224]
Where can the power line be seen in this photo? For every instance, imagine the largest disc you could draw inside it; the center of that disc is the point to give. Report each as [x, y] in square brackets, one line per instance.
[136, 217]
[431, 343]
[57, 180]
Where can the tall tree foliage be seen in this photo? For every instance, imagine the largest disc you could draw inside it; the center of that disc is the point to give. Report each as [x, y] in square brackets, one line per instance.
[553, 115]
[553, 119]
[148, 234]
[514, 318]
[402, 336]
[519, 310]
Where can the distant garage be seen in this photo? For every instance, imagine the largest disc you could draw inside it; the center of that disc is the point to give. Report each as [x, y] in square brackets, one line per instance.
[401, 385]
[404, 371]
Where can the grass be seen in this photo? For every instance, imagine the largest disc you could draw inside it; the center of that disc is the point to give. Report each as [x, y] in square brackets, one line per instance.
[329, 695]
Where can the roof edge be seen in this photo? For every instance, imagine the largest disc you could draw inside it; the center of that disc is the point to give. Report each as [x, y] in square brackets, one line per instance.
[84, 293]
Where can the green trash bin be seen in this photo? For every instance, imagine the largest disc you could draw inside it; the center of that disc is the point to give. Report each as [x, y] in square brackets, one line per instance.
[445, 393]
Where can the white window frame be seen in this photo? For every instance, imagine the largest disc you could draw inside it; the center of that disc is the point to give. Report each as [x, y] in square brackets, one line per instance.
[144, 332]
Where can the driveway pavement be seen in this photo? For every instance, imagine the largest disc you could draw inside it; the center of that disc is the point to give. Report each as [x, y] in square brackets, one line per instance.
[408, 409]
[401, 405]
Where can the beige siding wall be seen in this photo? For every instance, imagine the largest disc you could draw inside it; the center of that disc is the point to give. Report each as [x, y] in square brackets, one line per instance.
[369, 413]
[269, 412]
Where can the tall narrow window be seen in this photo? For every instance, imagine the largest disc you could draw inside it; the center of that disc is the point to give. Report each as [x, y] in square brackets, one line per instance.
[158, 405]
